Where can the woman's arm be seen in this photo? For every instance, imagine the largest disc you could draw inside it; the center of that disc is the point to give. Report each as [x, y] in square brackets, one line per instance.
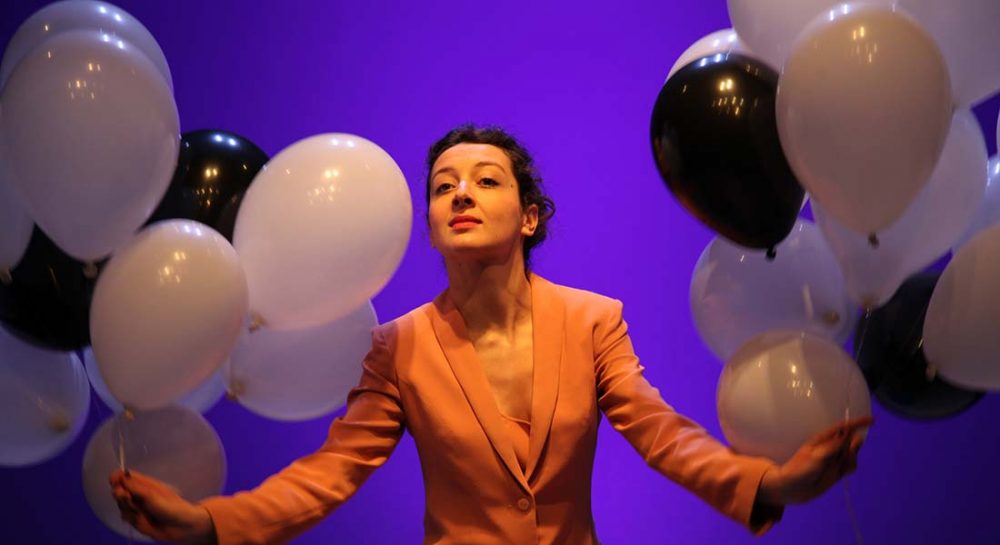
[671, 443]
[299, 496]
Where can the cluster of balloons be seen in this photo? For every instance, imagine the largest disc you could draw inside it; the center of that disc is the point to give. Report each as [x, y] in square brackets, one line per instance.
[864, 108]
[163, 269]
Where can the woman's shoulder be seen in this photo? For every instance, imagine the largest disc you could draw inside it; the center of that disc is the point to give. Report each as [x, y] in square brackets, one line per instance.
[579, 300]
[407, 321]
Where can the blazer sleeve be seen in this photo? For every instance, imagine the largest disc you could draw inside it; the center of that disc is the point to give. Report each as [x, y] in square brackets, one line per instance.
[300, 495]
[671, 443]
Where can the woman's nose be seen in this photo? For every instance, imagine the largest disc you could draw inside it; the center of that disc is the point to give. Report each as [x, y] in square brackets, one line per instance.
[462, 195]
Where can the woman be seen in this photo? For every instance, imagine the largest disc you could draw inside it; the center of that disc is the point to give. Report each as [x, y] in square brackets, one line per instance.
[501, 380]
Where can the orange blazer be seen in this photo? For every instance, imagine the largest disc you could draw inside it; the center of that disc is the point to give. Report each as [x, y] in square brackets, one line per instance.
[422, 375]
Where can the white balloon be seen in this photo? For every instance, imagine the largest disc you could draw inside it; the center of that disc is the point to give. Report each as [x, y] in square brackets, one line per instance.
[989, 209]
[863, 110]
[304, 373]
[60, 17]
[960, 330]
[201, 399]
[321, 229]
[166, 311]
[719, 42]
[174, 444]
[44, 400]
[966, 32]
[89, 137]
[15, 228]
[769, 27]
[928, 228]
[736, 293]
[782, 388]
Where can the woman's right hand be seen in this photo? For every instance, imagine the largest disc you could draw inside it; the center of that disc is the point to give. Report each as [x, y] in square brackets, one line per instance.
[156, 510]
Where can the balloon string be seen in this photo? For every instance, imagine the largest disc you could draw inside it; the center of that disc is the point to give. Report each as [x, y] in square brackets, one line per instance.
[857, 354]
[858, 538]
[121, 448]
[120, 420]
[916, 338]
[866, 319]
[95, 405]
[56, 415]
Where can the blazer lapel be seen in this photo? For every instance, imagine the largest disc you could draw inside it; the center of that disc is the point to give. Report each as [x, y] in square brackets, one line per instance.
[548, 317]
[449, 327]
[548, 324]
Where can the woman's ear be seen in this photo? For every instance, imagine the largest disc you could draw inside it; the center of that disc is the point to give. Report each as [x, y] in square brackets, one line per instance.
[529, 220]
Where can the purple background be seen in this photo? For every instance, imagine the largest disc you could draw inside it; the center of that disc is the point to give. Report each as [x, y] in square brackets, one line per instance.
[577, 83]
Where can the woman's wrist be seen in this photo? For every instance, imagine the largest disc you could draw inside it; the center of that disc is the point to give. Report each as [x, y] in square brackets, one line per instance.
[204, 532]
[771, 490]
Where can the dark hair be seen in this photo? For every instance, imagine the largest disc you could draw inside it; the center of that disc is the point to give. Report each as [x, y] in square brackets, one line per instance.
[529, 182]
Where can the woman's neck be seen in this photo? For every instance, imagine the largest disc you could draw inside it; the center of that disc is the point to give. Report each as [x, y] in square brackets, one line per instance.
[492, 298]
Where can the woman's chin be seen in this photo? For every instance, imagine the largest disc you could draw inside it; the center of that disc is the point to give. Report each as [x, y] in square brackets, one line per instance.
[471, 252]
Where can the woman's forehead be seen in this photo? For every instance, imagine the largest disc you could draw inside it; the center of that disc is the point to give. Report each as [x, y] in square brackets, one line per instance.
[466, 155]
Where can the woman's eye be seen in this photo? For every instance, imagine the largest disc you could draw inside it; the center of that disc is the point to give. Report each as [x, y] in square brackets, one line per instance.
[490, 181]
[442, 187]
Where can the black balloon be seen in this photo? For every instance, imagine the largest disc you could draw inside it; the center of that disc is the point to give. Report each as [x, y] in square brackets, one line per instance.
[214, 169]
[47, 301]
[888, 348]
[715, 141]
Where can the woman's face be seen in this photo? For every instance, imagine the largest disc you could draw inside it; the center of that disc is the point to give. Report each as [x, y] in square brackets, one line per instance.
[476, 182]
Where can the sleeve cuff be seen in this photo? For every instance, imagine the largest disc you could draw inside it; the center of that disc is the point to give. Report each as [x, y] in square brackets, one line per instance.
[227, 530]
[759, 518]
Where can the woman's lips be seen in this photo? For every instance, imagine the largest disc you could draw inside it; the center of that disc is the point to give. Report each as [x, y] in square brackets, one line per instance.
[464, 224]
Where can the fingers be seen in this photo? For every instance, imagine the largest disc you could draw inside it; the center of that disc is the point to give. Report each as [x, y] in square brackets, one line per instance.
[135, 515]
[117, 477]
[128, 498]
[852, 457]
[853, 425]
[856, 442]
[125, 504]
[141, 487]
[841, 432]
[145, 485]
[849, 461]
[832, 449]
[828, 434]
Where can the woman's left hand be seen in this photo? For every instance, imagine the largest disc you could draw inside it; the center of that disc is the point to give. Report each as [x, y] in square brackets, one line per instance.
[816, 466]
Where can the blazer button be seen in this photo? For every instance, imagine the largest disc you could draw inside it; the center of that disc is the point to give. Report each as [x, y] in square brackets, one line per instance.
[523, 504]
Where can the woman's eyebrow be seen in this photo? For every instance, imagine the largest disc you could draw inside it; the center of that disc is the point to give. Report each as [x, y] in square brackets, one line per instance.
[479, 164]
[443, 169]
[491, 163]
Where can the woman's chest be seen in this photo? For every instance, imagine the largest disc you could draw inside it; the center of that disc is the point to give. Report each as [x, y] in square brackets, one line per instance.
[508, 365]
[444, 405]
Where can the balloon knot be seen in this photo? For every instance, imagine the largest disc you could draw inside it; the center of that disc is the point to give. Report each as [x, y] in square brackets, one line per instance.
[771, 254]
[90, 270]
[235, 390]
[5, 277]
[256, 322]
[831, 317]
[59, 423]
[873, 240]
